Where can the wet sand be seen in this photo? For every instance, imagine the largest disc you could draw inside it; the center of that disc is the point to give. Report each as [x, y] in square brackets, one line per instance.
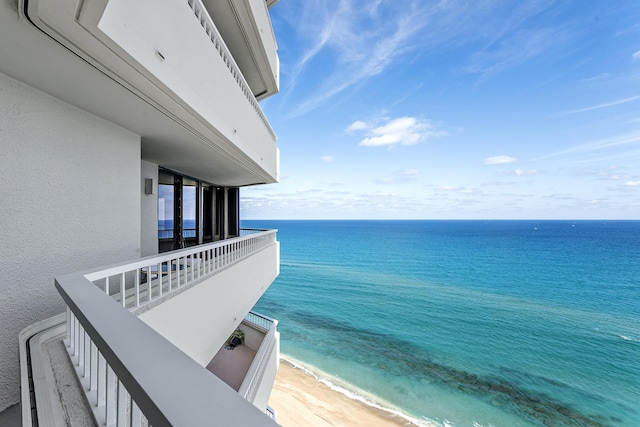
[301, 400]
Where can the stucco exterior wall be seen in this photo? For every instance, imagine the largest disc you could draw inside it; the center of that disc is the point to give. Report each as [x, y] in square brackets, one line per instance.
[149, 211]
[69, 200]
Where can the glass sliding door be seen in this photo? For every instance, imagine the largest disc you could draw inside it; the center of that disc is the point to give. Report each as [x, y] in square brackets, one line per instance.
[221, 217]
[189, 210]
[192, 212]
[233, 209]
[166, 204]
[208, 213]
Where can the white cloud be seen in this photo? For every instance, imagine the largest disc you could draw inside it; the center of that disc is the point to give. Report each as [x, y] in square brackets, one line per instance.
[632, 183]
[355, 126]
[401, 131]
[400, 177]
[388, 180]
[407, 172]
[328, 159]
[521, 172]
[599, 106]
[309, 190]
[363, 44]
[636, 55]
[596, 78]
[499, 160]
[602, 144]
[513, 49]
[457, 189]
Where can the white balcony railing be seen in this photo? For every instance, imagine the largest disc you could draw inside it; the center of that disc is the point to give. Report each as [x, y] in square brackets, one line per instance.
[212, 32]
[141, 282]
[134, 385]
[260, 363]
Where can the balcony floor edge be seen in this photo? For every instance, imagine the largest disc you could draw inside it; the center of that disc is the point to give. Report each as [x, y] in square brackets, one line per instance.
[51, 392]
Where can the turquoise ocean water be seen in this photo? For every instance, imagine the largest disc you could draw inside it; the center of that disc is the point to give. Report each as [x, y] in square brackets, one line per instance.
[467, 323]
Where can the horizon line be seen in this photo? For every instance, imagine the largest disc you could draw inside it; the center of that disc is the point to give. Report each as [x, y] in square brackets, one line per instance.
[437, 219]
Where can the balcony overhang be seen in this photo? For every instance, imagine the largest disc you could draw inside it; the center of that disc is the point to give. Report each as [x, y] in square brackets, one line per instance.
[246, 28]
[154, 68]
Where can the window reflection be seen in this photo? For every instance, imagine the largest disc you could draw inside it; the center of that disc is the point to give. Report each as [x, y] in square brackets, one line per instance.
[192, 212]
[165, 206]
[189, 206]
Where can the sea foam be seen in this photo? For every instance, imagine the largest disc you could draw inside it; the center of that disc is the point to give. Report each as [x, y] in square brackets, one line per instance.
[354, 393]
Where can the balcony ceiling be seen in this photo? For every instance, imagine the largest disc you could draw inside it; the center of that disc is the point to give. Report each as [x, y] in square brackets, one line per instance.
[35, 58]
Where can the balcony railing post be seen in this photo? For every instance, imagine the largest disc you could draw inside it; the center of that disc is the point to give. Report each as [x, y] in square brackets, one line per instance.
[136, 284]
[122, 290]
[81, 336]
[149, 283]
[111, 396]
[101, 381]
[93, 369]
[86, 367]
[76, 337]
[122, 406]
[136, 414]
[159, 278]
[71, 327]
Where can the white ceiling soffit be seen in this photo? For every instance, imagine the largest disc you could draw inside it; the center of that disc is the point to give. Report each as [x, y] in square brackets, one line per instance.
[167, 139]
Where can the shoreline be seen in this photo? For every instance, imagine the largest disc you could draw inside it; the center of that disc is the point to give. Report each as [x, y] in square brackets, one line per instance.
[302, 398]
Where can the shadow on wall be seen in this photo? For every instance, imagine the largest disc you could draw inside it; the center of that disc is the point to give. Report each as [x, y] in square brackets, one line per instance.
[11, 417]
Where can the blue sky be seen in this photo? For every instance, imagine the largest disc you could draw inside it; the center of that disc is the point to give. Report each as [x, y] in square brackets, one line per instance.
[455, 110]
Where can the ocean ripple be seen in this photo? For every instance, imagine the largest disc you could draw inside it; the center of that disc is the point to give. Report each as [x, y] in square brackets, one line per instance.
[407, 359]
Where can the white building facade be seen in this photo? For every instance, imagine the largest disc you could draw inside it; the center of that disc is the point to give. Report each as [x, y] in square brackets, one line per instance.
[127, 129]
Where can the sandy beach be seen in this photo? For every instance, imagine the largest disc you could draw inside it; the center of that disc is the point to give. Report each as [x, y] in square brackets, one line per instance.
[301, 400]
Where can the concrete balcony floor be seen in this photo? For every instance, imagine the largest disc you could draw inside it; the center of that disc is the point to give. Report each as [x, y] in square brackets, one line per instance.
[231, 366]
[53, 391]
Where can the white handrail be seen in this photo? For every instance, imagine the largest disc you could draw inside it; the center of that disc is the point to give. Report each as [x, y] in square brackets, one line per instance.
[256, 370]
[130, 373]
[260, 320]
[110, 347]
[200, 11]
[138, 283]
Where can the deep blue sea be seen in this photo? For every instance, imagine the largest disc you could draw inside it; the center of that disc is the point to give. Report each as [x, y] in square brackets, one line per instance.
[467, 323]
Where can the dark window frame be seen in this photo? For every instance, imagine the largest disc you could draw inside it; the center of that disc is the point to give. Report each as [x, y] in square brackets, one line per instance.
[217, 213]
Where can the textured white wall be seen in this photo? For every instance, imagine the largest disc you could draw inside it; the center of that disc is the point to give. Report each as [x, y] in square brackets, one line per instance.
[149, 211]
[69, 200]
[199, 320]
